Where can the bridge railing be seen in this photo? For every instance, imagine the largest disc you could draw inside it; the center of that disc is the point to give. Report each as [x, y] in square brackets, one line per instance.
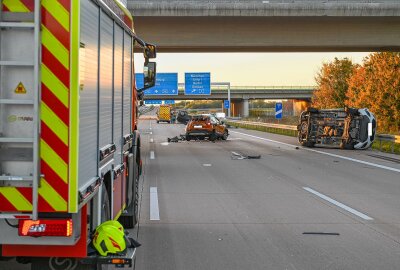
[181, 87]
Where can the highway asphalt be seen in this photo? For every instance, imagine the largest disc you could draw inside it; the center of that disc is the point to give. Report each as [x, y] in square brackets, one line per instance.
[295, 208]
[291, 209]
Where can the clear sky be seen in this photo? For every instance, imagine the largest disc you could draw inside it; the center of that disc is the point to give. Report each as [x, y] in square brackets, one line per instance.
[258, 69]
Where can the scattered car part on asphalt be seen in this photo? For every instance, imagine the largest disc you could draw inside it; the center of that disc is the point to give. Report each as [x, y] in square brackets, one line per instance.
[239, 156]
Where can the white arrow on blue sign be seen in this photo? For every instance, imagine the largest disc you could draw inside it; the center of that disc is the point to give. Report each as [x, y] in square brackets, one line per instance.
[198, 83]
[278, 110]
[227, 105]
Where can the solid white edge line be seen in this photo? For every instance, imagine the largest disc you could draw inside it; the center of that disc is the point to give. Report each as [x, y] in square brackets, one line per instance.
[324, 153]
[152, 156]
[338, 204]
[151, 140]
[154, 209]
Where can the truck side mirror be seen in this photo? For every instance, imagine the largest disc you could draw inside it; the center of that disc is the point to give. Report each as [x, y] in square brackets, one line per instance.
[150, 51]
[149, 72]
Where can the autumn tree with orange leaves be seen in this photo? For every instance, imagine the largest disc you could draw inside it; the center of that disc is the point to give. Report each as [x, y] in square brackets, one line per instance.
[332, 84]
[376, 85]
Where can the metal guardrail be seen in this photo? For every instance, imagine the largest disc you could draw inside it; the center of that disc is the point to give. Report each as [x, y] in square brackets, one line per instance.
[380, 137]
[388, 138]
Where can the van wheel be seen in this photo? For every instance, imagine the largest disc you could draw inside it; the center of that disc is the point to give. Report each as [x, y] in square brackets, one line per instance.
[346, 146]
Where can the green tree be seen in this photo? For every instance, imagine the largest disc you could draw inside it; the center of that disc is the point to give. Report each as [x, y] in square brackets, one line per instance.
[332, 84]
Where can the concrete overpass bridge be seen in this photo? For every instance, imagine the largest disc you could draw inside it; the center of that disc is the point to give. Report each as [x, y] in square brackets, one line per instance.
[240, 96]
[269, 26]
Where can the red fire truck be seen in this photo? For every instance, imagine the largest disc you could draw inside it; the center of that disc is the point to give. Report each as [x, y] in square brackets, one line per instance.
[69, 144]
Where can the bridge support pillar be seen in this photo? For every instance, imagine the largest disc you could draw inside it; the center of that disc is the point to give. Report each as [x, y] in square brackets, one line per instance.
[245, 107]
[299, 106]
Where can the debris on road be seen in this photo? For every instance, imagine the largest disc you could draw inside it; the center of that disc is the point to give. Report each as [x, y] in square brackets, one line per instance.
[321, 233]
[239, 156]
[177, 138]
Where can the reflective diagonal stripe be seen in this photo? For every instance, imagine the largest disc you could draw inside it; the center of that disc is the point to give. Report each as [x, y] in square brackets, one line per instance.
[55, 47]
[15, 6]
[55, 85]
[54, 161]
[58, 12]
[54, 123]
[51, 196]
[16, 198]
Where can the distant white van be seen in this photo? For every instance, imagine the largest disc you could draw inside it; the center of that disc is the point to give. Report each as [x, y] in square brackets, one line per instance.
[220, 115]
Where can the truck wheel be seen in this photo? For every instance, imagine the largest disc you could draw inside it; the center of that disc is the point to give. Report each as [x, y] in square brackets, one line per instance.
[188, 138]
[158, 122]
[61, 264]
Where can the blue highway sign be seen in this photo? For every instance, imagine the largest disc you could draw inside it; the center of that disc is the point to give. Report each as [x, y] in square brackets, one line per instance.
[278, 110]
[153, 102]
[169, 101]
[198, 83]
[227, 105]
[166, 84]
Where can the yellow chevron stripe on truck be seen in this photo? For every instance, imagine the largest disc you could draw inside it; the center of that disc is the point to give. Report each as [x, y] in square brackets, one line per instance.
[55, 85]
[55, 47]
[54, 161]
[58, 12]
[16, 198]
[15, 6]
[55, 123]
[51, 196]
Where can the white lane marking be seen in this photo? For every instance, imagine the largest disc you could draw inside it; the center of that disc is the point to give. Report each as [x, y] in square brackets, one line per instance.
[152, 156]
[207, 165]
[151, 133]
[324, 153]
[338, 204]
[164, 143]
[154, 209]
[151, 140]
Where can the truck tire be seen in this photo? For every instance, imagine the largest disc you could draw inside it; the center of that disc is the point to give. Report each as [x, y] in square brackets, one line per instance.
[188, 137]
[61, 264]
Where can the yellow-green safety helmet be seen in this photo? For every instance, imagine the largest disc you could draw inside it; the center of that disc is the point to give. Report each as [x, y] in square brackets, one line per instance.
[109, 238]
